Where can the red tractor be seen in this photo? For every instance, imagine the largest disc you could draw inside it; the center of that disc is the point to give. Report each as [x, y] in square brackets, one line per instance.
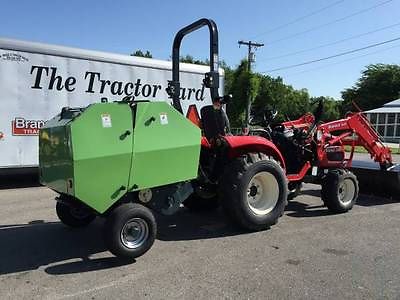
[245, 174]
[251, 176]
[315, 152]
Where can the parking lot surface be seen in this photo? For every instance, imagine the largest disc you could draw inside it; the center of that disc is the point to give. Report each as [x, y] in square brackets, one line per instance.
[309, 254]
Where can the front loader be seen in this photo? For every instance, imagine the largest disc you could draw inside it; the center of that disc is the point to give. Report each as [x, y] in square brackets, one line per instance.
[315, 152]
[127, 159]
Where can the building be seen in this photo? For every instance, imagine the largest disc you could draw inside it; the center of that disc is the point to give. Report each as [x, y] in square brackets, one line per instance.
[386, 120]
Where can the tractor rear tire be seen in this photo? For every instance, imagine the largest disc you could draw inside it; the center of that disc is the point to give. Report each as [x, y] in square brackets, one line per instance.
[253, 191]
[74, 216]
[339, 190]
[130, 230]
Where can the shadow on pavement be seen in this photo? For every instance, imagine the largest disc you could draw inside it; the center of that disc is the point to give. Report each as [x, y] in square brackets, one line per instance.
[299, 209]
[87, 265]
[371, 200]
[29, 179]
[302, 210]
[313, 193]
[62, 250]
[186, 225]
[364, 199]
[27, 247]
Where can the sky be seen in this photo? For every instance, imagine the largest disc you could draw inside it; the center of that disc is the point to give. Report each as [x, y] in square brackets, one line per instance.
[284, 26]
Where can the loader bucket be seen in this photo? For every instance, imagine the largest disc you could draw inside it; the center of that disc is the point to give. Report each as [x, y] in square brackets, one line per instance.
[372, 180]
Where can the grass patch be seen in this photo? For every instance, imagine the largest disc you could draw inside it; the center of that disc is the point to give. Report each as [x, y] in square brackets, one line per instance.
[361, 149]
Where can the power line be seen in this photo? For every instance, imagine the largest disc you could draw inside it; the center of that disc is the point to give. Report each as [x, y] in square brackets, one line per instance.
[331, 43]
[342, 61]
[299, 19]
[329, 23]
[332, 56]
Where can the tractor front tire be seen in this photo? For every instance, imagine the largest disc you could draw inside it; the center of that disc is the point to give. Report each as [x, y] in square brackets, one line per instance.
[253, 191]
[130, 230]
[74, 216]
[339, 190]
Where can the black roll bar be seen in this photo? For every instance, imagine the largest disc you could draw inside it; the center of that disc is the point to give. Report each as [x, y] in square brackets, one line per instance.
[211, 80]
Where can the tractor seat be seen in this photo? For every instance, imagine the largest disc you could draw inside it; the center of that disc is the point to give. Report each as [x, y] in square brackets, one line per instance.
[213, 122]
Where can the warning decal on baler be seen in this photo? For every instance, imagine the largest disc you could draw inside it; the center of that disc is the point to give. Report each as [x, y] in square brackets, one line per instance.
[106, 120]
[163, 118]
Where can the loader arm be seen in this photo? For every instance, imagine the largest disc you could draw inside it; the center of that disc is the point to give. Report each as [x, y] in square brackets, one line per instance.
[355, 130]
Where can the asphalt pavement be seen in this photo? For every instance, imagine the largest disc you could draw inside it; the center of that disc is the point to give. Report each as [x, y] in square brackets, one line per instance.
[309, 254]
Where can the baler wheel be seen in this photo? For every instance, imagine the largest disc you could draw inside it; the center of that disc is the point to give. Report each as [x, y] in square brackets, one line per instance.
[339, 190]
[253, 191]
[130, 230]
[74, 216]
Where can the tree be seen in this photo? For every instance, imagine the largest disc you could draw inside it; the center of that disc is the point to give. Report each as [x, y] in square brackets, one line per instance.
[379, 83]
[289, 102]
[331, 108]
[241, 82]
[140, 53]
[267, 93]
[191, 60]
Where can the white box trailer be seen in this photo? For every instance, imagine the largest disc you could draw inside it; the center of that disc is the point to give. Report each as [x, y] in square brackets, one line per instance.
[37, 80]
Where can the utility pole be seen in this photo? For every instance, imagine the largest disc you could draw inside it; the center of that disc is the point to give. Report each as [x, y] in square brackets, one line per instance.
[250, 59]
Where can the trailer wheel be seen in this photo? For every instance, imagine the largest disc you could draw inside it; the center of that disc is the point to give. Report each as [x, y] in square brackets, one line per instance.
[130, 230]
[74, 216]
[253, 191]
[339, 190]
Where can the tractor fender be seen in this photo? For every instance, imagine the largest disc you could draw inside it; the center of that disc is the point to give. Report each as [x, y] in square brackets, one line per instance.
[239, 145]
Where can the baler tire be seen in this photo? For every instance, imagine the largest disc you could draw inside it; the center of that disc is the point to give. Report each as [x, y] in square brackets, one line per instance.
[239, 199]
[195, 203]
[68, 216]
[125, 219]
[333, 187]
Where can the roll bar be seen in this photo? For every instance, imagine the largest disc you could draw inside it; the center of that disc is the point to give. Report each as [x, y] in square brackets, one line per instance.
[211, 79]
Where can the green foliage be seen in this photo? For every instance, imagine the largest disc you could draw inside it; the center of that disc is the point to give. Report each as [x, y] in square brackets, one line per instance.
[140, 53]
[191, 60]
[238, 87]
[331, 107]
[289, 102]
[379, 83]
[266, 92]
